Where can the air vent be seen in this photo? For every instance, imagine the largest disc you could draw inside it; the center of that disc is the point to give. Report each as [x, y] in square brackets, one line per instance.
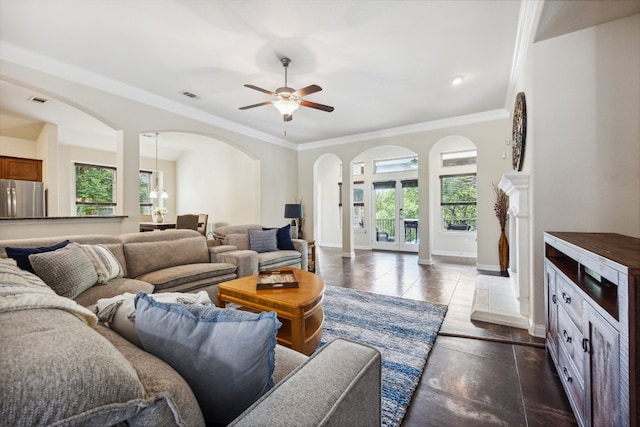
[190, 95]
[38, 100]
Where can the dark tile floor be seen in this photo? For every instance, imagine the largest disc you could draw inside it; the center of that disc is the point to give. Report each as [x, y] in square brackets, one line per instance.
[477, 374]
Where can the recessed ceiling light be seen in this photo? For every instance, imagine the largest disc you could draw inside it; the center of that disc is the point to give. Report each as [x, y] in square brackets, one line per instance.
[456, 80]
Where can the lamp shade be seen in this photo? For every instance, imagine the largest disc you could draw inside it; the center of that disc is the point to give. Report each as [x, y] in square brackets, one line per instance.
[293, 211]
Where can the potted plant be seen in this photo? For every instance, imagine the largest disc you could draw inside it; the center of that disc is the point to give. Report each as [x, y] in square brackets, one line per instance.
[158, 213]
[501, 207]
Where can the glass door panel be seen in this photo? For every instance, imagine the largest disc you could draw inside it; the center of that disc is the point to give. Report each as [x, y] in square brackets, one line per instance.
[408, 207]
[385, 220]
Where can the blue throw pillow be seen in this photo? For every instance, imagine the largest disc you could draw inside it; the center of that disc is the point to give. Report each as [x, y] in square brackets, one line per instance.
[226, 356]
[21, 255]
[263, 240]
[283, 236]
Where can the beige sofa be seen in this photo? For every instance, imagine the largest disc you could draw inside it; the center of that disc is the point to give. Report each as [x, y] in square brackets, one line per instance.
[59, 368]
[162, 261]
[236, 249]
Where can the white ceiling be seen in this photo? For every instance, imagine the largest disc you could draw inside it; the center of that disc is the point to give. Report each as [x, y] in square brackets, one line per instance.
[381, 64]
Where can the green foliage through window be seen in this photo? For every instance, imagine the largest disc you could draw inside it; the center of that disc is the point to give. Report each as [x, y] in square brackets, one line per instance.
[458, 198]
[95, 190]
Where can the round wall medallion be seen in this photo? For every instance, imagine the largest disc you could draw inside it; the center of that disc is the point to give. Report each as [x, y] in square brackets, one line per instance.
[519, 132]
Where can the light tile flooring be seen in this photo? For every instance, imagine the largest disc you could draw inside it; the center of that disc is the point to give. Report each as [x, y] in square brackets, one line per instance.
[478, 374]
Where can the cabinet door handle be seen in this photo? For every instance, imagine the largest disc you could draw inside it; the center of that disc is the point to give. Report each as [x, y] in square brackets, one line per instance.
[554, 299]
[585, 345]
[566, 298]
[566, 336]
[566, 375]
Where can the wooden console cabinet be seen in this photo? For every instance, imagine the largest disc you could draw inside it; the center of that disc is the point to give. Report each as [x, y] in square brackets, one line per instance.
[592, 297]
[20, 169]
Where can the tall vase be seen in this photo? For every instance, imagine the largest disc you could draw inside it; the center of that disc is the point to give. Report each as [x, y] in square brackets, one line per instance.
[503, 252]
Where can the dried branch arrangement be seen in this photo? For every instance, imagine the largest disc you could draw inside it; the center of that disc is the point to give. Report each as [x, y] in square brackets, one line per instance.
[501, 206]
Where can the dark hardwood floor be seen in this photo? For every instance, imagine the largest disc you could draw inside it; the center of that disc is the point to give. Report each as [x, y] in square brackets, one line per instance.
[477, 374]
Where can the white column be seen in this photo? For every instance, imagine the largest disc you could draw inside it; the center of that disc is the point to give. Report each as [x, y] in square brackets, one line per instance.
[516, 185]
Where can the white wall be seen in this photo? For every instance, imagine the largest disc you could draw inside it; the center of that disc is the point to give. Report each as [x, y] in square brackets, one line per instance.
[583, 143]
[221, 181]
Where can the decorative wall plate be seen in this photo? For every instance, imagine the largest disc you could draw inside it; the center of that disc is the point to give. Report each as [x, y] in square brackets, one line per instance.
[519, 132]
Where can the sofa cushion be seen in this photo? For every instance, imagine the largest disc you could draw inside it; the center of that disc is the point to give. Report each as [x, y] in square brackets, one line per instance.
[159, 379]
[182, 274]
[119, 312]
[68, 270]
[21, 255]
[145, 257]
[239, 240]
[226, 355]
[47, 356]
[271, 258]
[106, 264]
[117, 286]
[284, 238]
[263, 240]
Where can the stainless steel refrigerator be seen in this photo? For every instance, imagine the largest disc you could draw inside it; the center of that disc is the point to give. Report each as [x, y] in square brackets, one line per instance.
[21, 199]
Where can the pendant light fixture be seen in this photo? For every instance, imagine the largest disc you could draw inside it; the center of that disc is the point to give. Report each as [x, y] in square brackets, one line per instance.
[157, 192]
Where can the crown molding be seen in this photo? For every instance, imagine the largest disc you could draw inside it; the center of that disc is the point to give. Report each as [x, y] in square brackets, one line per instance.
[530, 11]
[38, 62]
[468, 119]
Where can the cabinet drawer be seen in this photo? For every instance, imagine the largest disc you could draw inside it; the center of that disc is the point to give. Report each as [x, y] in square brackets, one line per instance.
[570, 338]
[575, 392]
[570, 300]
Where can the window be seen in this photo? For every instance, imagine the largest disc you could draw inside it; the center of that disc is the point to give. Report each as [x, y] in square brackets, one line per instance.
[395, 165]
[95, 190]
[358, 204]
[358, 168]
[146, 183]
[459, 158]
[458, 201]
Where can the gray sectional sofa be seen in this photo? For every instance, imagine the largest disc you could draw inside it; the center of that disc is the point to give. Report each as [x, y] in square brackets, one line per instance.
[238, 248]
[60, 367]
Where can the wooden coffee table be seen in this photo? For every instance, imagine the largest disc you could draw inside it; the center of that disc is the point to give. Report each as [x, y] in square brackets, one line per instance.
[299, 309]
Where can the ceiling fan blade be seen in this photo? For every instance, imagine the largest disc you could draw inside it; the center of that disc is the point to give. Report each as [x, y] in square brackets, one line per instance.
[288, 117]
[307, 90]
[317, 106]
[259, 89]
[256, 105]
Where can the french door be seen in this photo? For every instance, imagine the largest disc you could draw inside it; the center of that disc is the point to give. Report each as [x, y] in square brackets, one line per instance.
[395, 215]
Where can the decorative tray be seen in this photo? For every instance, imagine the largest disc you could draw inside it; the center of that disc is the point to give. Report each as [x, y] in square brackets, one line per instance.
[277, 279]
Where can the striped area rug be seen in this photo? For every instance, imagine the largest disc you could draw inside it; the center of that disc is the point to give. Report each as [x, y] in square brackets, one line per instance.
[403, 330]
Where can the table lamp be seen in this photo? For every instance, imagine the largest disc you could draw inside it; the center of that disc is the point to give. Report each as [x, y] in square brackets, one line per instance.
[293, 211]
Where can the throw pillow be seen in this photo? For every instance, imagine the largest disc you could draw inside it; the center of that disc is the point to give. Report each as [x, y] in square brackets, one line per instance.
[119, 312]
[106, 264]
[283, 236]
[263, 240]
[21, 255]
[227, 356]
[68, 271]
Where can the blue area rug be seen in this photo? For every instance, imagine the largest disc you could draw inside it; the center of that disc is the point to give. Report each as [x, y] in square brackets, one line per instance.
[403, 330]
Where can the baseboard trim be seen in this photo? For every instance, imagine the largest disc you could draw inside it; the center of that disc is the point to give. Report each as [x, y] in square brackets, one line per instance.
[537, 330]
[455, 254]
[488, 267]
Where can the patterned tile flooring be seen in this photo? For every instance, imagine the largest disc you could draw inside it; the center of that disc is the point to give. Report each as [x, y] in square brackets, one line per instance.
[499, 376]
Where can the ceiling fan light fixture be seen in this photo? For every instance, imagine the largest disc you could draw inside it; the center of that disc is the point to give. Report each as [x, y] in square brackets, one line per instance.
[286, 106]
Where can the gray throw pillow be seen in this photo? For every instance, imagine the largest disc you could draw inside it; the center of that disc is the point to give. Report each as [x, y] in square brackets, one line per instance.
[227, 356]
[263, 240]
[68, 271]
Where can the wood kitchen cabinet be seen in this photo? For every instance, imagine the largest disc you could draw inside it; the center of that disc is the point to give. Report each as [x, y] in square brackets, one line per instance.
[592, 296]
[20, 168]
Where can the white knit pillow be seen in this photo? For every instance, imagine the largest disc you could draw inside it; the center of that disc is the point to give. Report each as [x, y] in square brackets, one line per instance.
[106, 264]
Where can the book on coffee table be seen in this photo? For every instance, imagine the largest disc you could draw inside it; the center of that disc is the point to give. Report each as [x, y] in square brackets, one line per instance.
[277, 279]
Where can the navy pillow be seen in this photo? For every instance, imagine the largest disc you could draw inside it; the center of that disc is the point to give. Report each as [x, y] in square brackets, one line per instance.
[21, 255]
[284, 238]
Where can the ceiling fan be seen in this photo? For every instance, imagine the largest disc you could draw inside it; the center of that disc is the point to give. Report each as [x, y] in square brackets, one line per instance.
[286, 99]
